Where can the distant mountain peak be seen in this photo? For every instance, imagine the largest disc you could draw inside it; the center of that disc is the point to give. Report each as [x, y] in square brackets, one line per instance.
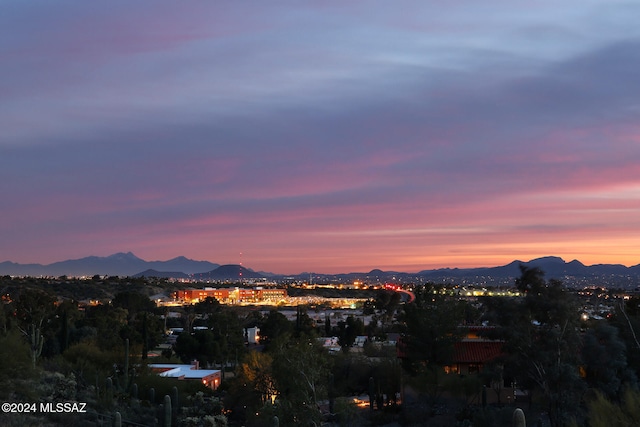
[124, 255]
[549, 259]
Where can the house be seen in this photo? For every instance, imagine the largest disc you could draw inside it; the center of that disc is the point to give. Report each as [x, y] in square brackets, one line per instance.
[470, 356]
[474, 351]
[360, 341]
[253, 335]
[330, 343]
[209, 377]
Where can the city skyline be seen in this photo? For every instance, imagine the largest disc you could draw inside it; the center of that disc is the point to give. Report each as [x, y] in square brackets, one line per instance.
[321, 137]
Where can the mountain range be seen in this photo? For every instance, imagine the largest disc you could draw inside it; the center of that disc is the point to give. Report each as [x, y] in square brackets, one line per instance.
[127, 264]
[119, 264]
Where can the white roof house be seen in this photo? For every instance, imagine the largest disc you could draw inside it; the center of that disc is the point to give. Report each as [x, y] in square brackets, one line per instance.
[210, 377]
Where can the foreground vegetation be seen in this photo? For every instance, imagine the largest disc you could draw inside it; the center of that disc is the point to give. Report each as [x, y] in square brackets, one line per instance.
[571, 372]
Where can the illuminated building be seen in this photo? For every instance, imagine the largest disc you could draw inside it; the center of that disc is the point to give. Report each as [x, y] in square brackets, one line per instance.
[231, 295]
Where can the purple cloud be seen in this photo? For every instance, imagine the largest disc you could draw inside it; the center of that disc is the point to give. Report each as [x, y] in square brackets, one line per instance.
[319, 136]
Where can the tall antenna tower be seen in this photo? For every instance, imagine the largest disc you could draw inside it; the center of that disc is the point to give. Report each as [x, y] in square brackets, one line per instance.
[240, 269]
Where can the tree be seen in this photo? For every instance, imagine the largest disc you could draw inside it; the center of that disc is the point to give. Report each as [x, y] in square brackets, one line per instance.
[305, 326]
[430, 329]
[145, 331]
[16, 358]
[6, 313]
[256, 370]
[327, 325]
[274, 326]
[207, 306]
[626, 319]
[301, 374]
[348, 331]
[531, 280]
[605, 362]
[386, 373]
[228, 332]
[133, 302]
[200, 345]
[33, 309]
[542, 341]
[186, 347]
[221, 342]
[67, 314]
[386, 304]
[109, 322]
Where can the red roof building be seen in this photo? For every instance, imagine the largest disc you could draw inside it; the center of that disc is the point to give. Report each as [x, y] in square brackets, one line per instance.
[470, 355]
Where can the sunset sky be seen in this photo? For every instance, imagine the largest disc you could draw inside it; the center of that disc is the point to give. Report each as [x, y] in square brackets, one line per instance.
[325, 136]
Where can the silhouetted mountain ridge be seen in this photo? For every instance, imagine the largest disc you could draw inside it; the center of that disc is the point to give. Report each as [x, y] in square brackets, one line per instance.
[118, 264]
[127, 264]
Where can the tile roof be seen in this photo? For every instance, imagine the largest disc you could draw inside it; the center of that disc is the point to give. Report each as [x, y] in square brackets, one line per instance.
[476, 351]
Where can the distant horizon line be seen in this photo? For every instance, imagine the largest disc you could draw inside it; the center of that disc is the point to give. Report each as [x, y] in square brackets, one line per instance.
[131, 254]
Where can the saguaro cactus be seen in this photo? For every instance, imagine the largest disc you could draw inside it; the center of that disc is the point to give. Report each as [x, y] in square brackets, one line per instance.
[37, 341]
[117, 419]
[167, 410]
[145, 337]
[134, 390]
[174, 398]
[108, 390]
[484, 396]
[126, 364]
[518, 418]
